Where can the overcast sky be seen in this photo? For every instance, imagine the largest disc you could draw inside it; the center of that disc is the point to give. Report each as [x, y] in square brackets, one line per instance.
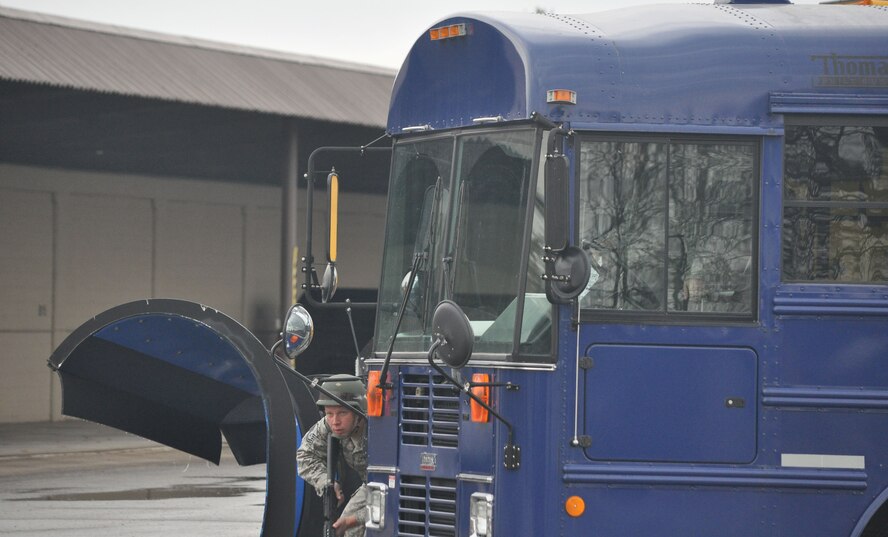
[371, 32]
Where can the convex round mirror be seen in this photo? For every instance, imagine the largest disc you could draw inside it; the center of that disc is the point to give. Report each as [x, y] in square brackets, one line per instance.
[330, 283]
[405, 283]
[298, 331]
[573, 263]
[413, 291]
[453, 326]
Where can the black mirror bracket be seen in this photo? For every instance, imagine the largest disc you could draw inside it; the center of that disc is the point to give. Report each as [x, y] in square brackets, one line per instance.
[511, 456]
[507, 385]
[454, 340]
[553, 149]
[313, 283]
[511, 452]
[567, 273]
[310, 274]
[550, 258]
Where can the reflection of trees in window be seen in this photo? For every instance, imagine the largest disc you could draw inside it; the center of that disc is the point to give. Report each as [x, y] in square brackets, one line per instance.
[669, 226]
[710, 227]
[623, 222]
[835, 214]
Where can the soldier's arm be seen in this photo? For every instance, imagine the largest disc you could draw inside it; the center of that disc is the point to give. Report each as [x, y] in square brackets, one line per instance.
[356, 505]
[311, 457]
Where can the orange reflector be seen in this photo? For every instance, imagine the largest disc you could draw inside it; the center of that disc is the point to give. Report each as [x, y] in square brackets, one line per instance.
[446, 32]
[575, 506]
[561, 96]
[374, 395]
[479, 413]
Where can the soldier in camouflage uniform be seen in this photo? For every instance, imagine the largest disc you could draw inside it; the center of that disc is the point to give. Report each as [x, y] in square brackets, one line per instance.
[351, 430]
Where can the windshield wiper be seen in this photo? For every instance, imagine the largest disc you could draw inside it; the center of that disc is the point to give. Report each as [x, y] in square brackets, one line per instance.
[422, 250]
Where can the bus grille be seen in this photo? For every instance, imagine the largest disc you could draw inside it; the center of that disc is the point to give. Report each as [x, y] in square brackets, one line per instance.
[427, 507]
[429, 411]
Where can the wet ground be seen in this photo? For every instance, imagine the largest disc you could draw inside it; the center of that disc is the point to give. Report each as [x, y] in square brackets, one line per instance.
[76, 479]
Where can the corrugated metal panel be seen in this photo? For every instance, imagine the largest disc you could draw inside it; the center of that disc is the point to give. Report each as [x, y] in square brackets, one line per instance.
[62, 52]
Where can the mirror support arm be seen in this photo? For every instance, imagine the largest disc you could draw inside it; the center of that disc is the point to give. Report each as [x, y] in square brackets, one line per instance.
[311, 383]
[308, 270]
[511, 452]
[543, 120]
[552, 148]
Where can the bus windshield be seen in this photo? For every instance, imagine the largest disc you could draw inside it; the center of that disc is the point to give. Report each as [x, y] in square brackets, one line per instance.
[457, 216]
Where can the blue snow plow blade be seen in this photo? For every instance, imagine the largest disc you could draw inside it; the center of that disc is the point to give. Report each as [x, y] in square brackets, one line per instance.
[183, 375]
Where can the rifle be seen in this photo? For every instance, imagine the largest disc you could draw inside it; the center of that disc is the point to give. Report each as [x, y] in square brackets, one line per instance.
[331, 503]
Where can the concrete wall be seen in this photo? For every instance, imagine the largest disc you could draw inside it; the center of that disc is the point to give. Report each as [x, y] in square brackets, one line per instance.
[73, 244]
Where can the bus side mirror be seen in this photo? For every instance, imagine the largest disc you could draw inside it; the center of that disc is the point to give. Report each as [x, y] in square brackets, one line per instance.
[569, 274]
[456, 338]
[298, 331]
[557, 209]
[567, 267]
[330, 281]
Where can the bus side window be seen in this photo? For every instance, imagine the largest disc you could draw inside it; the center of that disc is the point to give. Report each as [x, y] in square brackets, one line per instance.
[669, 225]
[835, 201]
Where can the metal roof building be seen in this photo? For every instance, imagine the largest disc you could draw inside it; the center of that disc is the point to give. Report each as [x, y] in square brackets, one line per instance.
[41, 49]
[139, 165]
[84, 95]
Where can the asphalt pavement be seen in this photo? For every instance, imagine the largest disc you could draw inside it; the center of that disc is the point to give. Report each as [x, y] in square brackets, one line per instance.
[44, 439]
[74, 478]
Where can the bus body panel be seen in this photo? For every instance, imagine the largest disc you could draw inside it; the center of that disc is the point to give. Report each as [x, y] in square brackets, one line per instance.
[709, 65]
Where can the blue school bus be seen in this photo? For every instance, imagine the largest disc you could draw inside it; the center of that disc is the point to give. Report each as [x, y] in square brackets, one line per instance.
[721, 370]
[634, 282]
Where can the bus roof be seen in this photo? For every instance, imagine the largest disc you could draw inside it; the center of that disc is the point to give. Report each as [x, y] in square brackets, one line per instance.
[718, 66]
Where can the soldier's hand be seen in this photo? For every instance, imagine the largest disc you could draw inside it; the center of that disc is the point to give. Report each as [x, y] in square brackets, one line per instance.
[344, 523]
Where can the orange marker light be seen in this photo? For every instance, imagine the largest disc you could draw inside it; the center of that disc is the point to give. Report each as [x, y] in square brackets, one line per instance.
[374, 395]
[575, 506]
[446, 32]
[479, 413]
[561, 96]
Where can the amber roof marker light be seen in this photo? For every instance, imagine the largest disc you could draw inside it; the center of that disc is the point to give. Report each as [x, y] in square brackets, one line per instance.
[448, 31]
[561, 96]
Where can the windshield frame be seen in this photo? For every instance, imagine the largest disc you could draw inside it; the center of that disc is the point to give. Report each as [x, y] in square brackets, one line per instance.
[446, 236]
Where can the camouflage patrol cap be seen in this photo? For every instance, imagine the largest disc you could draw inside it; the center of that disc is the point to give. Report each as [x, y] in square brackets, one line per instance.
[348, 388]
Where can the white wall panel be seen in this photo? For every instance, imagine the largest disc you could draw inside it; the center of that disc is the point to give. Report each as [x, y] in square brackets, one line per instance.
[73, 244]
[104, 255]
[361, 238]
[263, 310]
[25, 382]
[25, 260]
[200, 254]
